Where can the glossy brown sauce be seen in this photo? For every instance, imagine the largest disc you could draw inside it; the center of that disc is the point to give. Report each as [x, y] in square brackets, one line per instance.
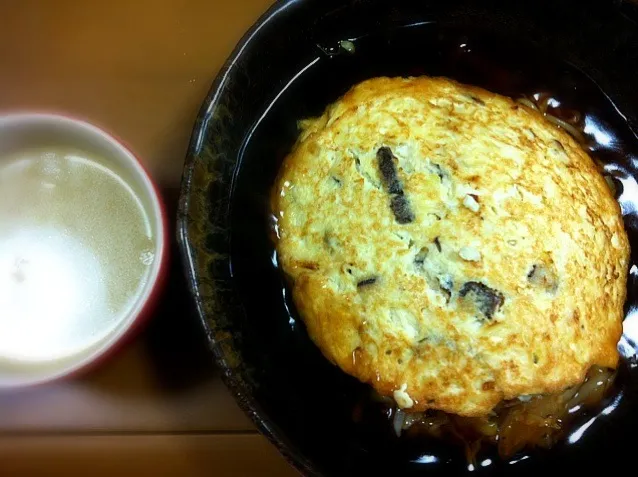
[506, 68]
[512, 427]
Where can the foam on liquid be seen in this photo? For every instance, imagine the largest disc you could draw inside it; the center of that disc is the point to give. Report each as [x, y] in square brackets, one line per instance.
[76, 247]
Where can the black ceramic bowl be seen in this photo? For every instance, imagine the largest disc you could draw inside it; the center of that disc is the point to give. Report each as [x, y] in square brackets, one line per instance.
[290, 66]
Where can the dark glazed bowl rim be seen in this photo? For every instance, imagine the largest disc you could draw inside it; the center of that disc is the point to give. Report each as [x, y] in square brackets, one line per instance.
[211, 103]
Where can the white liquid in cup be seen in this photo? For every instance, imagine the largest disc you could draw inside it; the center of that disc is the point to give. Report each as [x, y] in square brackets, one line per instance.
[76, 251]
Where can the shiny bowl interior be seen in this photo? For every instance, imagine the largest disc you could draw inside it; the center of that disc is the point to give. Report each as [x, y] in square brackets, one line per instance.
[293, 63]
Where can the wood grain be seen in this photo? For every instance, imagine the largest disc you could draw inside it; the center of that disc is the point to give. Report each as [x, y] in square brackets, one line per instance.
[140, 456]
[126, 395]
[138, 68]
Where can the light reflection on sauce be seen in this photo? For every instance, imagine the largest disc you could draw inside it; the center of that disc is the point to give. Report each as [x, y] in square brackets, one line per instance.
[594, 129]
[426, 459]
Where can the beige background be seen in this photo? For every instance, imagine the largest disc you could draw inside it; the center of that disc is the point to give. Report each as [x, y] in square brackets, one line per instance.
[140, 69]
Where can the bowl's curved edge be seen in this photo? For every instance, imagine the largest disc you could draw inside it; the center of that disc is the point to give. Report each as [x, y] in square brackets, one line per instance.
[237, 386]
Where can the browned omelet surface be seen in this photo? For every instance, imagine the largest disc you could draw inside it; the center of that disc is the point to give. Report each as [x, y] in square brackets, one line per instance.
[450, 247]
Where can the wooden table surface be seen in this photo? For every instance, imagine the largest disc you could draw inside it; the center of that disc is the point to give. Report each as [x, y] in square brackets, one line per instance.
[140, 69]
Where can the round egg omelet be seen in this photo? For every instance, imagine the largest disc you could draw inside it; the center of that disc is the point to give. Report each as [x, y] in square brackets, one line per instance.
[450, 246]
